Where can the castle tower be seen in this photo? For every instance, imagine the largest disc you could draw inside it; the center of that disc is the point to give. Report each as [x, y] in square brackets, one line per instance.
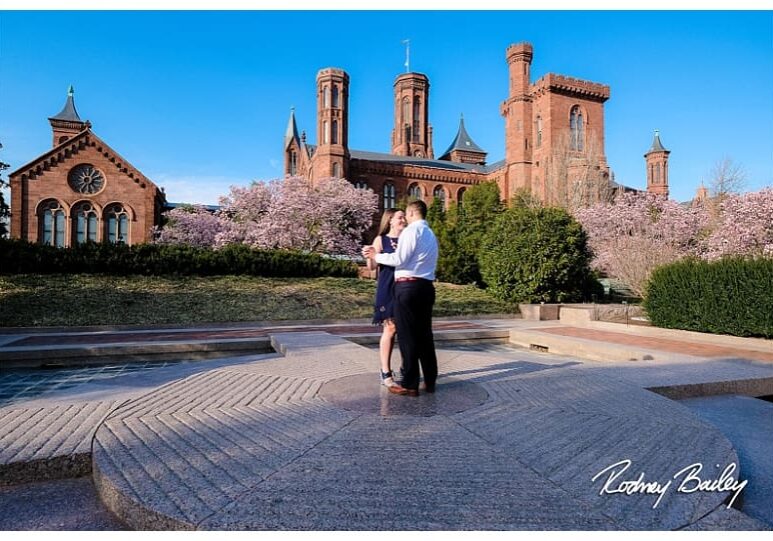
[657, 167]
[331, 157]
[517, 110]
[67, 123]
[412, 134]
[292, 146]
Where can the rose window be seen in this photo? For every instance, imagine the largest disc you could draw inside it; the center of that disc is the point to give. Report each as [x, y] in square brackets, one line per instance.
[86, 179]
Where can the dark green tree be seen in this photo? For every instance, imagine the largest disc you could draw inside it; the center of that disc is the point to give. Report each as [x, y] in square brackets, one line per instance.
[535, 254]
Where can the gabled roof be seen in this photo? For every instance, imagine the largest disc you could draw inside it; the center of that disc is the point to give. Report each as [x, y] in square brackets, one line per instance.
[463, 142]
[291, 133]
[72, 146]
[68, 112]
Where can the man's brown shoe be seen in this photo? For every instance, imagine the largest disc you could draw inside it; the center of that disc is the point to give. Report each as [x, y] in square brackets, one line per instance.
[428, 388]
[399, 389]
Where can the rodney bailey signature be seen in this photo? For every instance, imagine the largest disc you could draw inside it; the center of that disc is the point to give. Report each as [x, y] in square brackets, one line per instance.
[690, 482]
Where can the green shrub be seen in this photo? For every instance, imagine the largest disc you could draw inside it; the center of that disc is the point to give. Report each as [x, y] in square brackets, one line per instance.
[534, 254]
[21, 257]
[728, 296]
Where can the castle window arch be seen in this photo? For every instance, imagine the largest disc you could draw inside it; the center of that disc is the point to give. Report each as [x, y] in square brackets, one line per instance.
[336, 170]
[334, 132]
[293, 163]
[414, 192]
[577, 129]
[325, 132]
[335, 96]
[460, 196]
[361, 184]
[84, 222]
[51, 223]
[326, 96]
[390, 196]
[440, 195]
[416, 118]
[539, 131]
[116, 220]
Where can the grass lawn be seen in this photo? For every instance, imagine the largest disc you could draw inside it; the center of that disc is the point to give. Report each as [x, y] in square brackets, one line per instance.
[82, 299]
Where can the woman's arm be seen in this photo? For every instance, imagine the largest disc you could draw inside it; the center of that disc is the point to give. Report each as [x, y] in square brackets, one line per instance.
[371, 263]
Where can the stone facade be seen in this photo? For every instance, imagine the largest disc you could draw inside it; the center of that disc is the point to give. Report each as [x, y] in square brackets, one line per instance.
[555, 119]
[82, 190]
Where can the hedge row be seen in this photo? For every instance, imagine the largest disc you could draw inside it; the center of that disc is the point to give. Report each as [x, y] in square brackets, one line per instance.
[17, 257]
[730, 296]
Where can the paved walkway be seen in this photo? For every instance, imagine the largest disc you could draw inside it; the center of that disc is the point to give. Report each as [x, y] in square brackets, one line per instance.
[306, 439]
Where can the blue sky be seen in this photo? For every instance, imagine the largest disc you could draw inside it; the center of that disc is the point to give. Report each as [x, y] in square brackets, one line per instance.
[199, 101]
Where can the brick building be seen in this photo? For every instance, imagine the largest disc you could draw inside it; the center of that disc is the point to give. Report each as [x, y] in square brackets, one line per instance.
[554, 141]
[82, 190]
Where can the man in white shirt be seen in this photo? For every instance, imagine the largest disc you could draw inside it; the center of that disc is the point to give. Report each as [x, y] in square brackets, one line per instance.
[414, 260]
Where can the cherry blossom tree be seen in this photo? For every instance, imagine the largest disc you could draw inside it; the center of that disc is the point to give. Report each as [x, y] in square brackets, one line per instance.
[329, 216]
[745, 226]
[640, 232]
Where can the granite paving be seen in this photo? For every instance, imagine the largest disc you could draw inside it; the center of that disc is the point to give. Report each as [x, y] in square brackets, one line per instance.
[310, 441]
[307, 439]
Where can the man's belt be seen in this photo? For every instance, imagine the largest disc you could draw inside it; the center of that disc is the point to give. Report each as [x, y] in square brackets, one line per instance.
[410, 279]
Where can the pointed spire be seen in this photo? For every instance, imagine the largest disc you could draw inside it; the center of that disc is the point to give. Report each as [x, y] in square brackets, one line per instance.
[68, 112]
[292, 129]
[462, 141]
[657, 146]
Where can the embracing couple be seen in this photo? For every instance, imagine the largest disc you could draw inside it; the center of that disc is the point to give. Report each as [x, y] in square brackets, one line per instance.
[406, 253]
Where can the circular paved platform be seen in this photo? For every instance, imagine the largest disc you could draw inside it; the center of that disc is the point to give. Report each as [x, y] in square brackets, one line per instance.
[310, 441]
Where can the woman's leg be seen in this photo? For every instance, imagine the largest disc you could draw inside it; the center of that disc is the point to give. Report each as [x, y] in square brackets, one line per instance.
[386, 344]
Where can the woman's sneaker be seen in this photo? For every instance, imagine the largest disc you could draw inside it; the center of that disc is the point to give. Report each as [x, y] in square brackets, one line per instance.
[387, 379]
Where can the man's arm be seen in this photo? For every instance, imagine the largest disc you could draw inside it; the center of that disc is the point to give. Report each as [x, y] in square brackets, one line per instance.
[406, 245]
[371, 264]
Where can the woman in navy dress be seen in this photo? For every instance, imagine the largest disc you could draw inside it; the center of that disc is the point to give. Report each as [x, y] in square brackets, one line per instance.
[392, 224]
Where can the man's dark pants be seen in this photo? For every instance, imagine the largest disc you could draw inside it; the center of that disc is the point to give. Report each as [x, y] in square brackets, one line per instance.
[413, 317]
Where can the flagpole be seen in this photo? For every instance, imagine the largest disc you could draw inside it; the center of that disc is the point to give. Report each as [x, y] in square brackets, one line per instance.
[407, 43]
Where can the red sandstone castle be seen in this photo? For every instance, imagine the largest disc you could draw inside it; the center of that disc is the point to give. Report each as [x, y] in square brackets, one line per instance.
[554, 142]
[82, 189]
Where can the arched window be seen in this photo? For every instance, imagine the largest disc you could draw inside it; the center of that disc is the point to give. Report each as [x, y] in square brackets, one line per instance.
[51, 222]
[416, 119]
[116, 224]
[293, 163]
[460, 196]
[406, 118]
[335, 96]
[414, 192]
[539, 131]
[326, 97]
[62, 139]
[337, 170]
[361, 184]
[325, 132]
[334, 132]
[84, 223]
[577, 129]
[440, 195]
[390, 196]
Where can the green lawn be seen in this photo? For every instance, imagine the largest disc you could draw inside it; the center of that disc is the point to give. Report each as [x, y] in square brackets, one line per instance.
[81, 299]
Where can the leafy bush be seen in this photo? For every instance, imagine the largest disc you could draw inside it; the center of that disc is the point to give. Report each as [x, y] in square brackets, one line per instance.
[728, 296]
[17, 256]
[534, 254]
[460, 231]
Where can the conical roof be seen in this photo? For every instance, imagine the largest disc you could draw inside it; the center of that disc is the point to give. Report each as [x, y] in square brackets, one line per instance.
[68, 112]
[462, 141]
[292, 129]
[657, 146]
